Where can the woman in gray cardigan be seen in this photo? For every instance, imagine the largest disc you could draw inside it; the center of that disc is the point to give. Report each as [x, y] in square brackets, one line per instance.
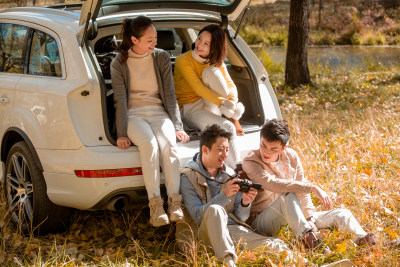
[147, 113]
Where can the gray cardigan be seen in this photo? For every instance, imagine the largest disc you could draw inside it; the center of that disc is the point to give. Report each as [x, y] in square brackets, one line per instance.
[165, 81]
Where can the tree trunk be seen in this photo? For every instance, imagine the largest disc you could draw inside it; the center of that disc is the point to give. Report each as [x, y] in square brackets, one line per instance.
[296, 72]
[319, 14]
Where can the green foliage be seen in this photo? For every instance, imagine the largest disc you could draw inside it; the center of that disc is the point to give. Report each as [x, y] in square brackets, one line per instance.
[360, 23]
[270, 65]
[255, 35]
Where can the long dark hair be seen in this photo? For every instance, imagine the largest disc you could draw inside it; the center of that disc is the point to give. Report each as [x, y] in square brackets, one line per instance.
[217, 45]
[132, 27]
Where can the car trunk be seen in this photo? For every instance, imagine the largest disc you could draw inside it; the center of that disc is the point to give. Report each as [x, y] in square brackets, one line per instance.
[242, 75]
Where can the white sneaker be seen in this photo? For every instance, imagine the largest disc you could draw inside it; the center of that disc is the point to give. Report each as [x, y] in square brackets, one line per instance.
[158, 217]
[175, 208]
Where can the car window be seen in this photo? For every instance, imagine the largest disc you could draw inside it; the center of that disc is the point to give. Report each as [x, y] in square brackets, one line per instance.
[44, 57]
[12, 42]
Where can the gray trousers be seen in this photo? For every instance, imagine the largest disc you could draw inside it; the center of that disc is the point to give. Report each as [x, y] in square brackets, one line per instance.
[286, 210]
[222, 237]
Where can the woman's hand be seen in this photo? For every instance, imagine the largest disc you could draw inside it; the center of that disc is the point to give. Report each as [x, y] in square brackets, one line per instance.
[182, 136]
[228, 104]
[123, 142]
[324, 197]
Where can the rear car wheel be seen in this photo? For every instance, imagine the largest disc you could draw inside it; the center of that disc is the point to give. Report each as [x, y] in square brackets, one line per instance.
[26, 194]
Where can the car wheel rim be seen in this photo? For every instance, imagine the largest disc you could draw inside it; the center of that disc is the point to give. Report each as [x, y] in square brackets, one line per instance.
[20, 190]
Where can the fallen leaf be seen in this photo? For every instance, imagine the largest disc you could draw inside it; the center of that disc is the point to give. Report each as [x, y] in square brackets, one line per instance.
[341, 247]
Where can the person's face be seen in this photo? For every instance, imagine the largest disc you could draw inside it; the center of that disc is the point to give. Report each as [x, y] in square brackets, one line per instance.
[215, 157]
[202, 44]
[146, 43]
[270, 151]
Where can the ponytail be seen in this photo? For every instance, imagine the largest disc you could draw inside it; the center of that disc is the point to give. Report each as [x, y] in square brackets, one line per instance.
[132, 27]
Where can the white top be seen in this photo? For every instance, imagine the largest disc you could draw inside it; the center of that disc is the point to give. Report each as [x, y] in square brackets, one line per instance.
[143, 89]
[280, 167]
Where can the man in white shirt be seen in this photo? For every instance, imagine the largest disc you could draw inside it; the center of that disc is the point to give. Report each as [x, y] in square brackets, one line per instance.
[286, 197]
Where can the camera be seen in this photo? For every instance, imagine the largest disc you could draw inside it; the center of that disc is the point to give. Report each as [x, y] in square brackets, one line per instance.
[245, 185]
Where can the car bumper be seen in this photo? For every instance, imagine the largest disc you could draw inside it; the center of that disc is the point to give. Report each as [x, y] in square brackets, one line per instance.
[66, 189]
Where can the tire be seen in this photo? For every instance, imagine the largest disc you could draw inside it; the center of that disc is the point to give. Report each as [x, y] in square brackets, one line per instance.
[26, 194]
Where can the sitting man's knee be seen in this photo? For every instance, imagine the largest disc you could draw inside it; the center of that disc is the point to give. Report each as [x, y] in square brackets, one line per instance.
[215, 210]
[291, 197]
[215, 213]
[344, 214]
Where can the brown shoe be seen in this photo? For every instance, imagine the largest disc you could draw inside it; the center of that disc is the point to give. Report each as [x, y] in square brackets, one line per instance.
[395, 243]
[158, 217]
[238, 127]
[175, 208]
[310, 241]
[369, 239]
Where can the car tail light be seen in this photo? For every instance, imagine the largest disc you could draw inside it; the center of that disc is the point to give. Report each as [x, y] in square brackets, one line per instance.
[108, 173]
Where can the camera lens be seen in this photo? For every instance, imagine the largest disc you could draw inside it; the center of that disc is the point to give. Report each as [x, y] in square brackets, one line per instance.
[244, 188]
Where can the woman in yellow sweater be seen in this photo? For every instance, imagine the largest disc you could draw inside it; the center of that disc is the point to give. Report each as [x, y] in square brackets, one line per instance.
[204, 88]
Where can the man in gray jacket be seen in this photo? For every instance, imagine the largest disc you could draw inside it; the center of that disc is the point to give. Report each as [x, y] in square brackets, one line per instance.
[215, 209]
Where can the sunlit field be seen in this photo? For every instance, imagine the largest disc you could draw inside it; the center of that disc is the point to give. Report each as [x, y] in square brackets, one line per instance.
[346, 129]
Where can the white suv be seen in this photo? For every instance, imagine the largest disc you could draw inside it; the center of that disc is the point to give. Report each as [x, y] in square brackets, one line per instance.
[56, 102]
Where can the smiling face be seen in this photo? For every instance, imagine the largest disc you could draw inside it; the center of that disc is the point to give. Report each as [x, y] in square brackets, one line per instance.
[202, 44]
[270, 151]
[146, 43]
[215, 157]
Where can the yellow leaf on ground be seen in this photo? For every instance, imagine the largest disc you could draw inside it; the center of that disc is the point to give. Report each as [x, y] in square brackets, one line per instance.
[392, 235]
[367, 172]
[341, 247]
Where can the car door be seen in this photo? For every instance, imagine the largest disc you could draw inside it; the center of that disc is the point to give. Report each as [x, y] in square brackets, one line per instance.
[12, 57]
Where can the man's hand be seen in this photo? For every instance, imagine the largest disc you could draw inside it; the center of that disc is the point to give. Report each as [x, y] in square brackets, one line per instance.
[249, 197]
[123, 142]
[182, 136]
[321, 195]
[231, 188]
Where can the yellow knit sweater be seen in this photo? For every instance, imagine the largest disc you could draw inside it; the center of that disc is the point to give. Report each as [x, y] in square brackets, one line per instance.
[188, 84]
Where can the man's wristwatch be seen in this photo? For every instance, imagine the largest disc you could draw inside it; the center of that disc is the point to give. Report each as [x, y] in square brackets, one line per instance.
[311, 219]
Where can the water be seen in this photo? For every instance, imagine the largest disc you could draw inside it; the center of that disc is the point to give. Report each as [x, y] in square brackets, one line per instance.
[342, 58]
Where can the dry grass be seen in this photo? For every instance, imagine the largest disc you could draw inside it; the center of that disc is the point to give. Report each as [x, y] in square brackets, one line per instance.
[346, 130]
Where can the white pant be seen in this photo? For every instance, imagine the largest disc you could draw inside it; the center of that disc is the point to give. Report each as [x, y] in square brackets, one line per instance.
[194, 115]
[151, 129]
[287, 210]
[222, 237]
[212, 78]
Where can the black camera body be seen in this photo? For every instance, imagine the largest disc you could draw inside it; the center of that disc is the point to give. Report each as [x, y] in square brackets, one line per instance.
[245, 185]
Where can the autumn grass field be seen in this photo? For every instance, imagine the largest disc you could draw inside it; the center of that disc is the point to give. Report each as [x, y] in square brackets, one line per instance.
[346, 128]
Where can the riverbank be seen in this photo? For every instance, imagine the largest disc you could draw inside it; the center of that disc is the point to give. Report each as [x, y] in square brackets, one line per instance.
[323, 60]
